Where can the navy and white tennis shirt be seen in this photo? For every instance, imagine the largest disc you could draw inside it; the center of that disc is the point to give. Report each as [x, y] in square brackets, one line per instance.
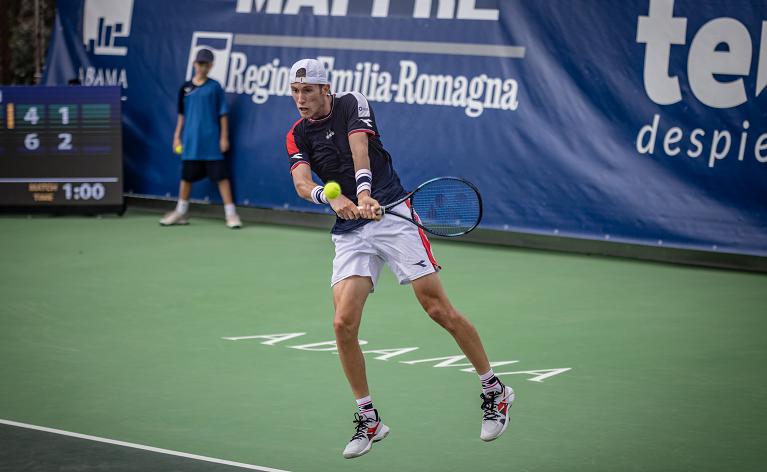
[323, 145]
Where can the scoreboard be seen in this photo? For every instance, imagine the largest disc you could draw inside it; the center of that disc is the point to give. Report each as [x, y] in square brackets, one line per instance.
[61, 148]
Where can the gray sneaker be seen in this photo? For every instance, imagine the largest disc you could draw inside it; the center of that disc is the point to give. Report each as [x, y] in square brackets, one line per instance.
[174, 218]
[495, 413]
[368, 431]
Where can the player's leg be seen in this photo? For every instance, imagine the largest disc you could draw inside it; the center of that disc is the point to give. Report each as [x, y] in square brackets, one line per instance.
[408, 252]
[230, 212]
[356, 267]
[218, 172]
[496, 397]
[225, 189]
[349, 296]
[190, 171]
[431, 294]
[184, 190]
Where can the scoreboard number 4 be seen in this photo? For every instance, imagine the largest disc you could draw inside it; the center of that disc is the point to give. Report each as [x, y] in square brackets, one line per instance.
[31, 116]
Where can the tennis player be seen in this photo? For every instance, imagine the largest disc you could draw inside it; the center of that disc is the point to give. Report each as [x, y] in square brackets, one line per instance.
[337, 139]
[202, 133]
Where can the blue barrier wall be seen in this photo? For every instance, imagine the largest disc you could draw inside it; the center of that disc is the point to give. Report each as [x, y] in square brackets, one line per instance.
[641, 121]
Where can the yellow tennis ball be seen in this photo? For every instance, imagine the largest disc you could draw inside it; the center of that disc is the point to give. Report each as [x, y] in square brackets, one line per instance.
[179, 149]
[332, 190]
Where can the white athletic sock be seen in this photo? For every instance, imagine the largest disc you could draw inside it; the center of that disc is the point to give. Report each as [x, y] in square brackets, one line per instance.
[182, 206]
[229, 209]
[490, 382]
[365, 405]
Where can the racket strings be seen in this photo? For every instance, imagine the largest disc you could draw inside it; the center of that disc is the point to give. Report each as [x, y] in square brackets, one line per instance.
[447, 207]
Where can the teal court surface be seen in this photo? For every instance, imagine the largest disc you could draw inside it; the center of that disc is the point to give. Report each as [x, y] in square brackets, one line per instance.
[150, 348]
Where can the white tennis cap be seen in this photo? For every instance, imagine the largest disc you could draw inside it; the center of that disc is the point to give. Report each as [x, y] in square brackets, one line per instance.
[308, 71]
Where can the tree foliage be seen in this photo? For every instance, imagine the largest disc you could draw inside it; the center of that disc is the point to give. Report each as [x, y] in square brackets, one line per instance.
[17, 38]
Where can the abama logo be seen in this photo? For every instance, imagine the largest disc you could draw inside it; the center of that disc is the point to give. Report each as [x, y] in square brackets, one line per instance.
[106, 24]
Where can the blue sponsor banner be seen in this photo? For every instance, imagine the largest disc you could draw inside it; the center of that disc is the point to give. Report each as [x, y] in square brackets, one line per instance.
[641, 121]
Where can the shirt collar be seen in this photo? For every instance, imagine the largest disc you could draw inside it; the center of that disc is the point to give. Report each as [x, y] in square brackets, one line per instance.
[332, 106]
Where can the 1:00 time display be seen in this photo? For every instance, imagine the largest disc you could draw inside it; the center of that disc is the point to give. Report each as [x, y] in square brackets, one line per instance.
[83, 191]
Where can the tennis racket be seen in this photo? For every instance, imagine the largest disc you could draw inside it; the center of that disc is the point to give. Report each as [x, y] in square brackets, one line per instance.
[445, 206]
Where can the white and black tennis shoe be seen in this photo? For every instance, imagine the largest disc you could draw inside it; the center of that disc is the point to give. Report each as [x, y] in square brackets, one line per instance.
[495, 412]
[367, 431]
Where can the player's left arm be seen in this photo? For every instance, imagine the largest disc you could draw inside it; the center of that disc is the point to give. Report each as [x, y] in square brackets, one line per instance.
[223, 117]
[224, 139]
[360, 125]
[369, 207]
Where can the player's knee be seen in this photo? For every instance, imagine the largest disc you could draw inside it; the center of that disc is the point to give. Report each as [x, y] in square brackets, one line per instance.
[443, 314]
[344, 325]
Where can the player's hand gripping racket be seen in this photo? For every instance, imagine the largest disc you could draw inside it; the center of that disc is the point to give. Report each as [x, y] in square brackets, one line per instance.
[445, 206]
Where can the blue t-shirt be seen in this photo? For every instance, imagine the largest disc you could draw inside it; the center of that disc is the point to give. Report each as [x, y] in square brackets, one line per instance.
[202, 107]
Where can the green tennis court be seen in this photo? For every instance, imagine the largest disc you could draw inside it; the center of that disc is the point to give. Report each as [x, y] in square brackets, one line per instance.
[116, 328]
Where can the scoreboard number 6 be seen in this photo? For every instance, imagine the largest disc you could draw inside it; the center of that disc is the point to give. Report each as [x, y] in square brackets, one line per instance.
[31, 141]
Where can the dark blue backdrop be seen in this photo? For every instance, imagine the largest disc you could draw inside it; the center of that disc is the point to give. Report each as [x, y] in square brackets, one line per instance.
[555, 152]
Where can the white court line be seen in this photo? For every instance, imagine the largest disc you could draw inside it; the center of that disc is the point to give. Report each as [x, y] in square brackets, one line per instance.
[141, 446]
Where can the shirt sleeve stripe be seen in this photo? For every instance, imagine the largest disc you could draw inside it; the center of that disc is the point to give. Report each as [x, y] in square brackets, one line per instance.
[369, 131]
[290, 140]
[298, 163]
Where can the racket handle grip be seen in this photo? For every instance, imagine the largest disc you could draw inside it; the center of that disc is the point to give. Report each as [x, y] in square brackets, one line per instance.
[381, 210]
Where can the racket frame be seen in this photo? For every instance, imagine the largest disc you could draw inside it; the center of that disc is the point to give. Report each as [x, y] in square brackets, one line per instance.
[413, 215]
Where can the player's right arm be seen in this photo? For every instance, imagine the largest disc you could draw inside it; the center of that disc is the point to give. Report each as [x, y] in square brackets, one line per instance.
[177, 134]
[306, 187]
[303, 182]
[180, 120]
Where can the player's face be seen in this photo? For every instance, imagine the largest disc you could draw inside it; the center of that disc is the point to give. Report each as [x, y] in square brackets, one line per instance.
[202, 69]
[310, 99]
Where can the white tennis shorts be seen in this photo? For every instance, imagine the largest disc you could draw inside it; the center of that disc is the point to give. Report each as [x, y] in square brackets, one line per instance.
[393, 241]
